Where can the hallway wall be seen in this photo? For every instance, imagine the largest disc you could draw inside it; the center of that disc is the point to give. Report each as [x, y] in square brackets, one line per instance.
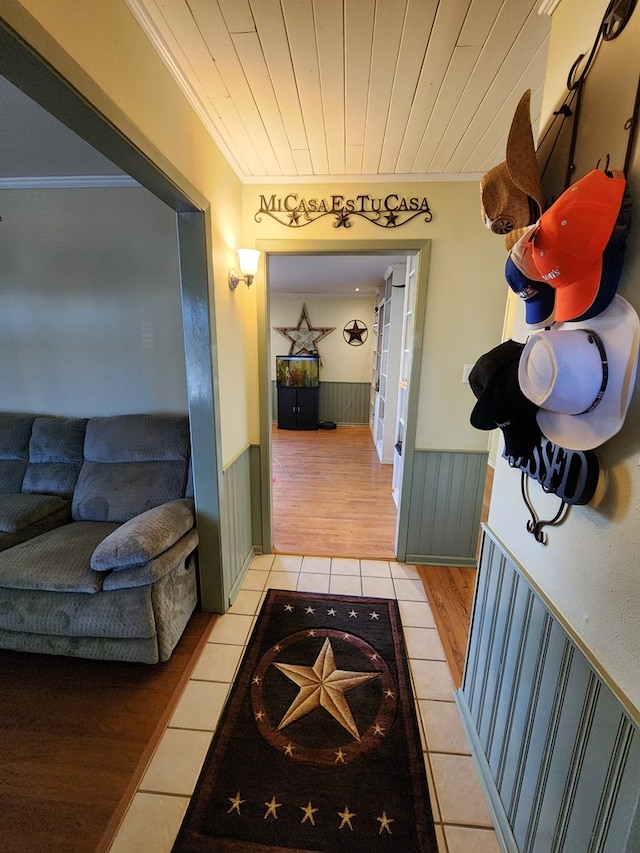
[589, 569]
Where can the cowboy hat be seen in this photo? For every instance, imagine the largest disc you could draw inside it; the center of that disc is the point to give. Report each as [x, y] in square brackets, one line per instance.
[511, 193]
[582, 376]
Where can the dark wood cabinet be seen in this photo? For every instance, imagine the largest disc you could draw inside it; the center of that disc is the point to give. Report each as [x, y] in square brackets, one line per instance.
[298, 408]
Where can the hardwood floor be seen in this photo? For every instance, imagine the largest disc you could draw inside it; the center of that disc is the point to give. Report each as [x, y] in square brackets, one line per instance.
[75, 738]
[331, 495]
[450, 593]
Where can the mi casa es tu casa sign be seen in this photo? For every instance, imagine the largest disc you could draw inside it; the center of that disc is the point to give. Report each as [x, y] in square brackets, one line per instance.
[389, 211]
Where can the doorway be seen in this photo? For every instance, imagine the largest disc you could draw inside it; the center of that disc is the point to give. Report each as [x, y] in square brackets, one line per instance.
[385, 251]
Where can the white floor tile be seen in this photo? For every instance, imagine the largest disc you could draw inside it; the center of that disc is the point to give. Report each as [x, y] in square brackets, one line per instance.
[317, 565]
[313, 583]
[404, 570]
[344, 566]
[255, 580]
[261, 562]
[345, 585]
[200, 705]
[246, 603]
[378, 587]
[152, 823]
[423, 643]
[176, 764]
[442, 727]
[416, 614]
[286, 563]
[409, 590]
[432, 680]
[231, 628]
[459, 793]
[375, 568]
[218, 662]
[283, 580]
[463, 839]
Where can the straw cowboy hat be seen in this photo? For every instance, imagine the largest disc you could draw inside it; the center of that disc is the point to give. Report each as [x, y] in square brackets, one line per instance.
[511, 193]
[581, 376]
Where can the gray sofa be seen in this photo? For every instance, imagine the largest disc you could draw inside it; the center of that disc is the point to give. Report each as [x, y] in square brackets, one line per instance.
[97, 535]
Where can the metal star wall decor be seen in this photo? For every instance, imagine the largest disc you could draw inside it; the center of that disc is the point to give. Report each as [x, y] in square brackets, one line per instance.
[304, 337]
[355, 333]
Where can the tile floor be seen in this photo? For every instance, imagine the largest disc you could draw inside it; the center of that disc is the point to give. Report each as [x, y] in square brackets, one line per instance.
[463, 824]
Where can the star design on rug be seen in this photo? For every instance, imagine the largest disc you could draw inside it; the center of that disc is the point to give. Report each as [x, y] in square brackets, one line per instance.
[331, 612]
[385, 822]
[374, 615]
[309, 812]
[288, 608]
[323, 685]
[304, 337]
[236, 802]
[346, 816]
[353, 614]
[272, 808]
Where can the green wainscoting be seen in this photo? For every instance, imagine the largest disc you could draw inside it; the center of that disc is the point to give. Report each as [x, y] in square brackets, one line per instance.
[557, 750]
[237, 521]
[445, 503]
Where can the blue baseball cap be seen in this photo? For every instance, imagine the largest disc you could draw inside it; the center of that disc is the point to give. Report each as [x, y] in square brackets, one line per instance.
[539, 297]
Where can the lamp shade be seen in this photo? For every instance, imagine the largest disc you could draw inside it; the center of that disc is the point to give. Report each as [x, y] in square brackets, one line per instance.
[248, 259]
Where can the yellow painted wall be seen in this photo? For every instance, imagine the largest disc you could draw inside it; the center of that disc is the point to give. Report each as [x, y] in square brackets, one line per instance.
[466, 289]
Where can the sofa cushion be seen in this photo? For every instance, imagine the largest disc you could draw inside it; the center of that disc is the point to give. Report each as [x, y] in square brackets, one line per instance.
[15, 432]
[144, 537]
[58, 561]
[55, 455]
[23, 510]
[132, 463]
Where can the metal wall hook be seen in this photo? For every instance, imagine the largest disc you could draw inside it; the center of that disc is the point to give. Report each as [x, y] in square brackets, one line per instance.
[535, 524]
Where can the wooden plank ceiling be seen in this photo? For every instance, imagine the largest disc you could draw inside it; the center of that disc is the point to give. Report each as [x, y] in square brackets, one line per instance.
[333, 89]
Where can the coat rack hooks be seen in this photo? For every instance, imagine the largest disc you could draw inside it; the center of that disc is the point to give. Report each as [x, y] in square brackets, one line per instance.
[535, 524]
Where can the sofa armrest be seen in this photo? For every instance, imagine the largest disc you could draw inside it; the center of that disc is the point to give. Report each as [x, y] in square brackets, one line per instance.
[145, 536]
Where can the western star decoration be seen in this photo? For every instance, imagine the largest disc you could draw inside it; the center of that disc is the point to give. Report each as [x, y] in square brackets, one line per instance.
[388, 211]
[304, 337]
[318, 746]
[355, 333]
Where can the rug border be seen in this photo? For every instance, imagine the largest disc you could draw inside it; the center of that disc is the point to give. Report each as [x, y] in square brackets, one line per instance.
[425, 824]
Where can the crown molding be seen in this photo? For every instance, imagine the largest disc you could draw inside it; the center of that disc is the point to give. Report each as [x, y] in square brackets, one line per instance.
[56, 182]
[548, 7]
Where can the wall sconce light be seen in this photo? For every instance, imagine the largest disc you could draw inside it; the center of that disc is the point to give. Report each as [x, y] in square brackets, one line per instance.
[248, 259]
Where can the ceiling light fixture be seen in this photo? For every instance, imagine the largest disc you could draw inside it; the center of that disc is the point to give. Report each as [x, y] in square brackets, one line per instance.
[248, 261]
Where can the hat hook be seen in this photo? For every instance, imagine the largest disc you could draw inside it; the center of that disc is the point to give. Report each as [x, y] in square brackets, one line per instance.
[535, 524]
[606, 164]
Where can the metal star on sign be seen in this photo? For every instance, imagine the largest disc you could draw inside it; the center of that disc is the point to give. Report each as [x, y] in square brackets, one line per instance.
[304, 337]
[323, 685]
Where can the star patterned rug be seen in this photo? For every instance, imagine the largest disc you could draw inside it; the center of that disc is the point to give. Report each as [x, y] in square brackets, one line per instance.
[318, 747]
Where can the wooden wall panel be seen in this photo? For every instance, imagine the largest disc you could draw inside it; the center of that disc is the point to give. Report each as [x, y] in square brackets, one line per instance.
[445, 505]
[556, 748]
[236, 523]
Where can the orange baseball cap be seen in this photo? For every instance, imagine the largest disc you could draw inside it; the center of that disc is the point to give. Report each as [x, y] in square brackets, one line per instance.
[566, 246]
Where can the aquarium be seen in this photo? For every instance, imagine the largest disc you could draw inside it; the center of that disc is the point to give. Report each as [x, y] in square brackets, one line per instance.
[297, 371]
